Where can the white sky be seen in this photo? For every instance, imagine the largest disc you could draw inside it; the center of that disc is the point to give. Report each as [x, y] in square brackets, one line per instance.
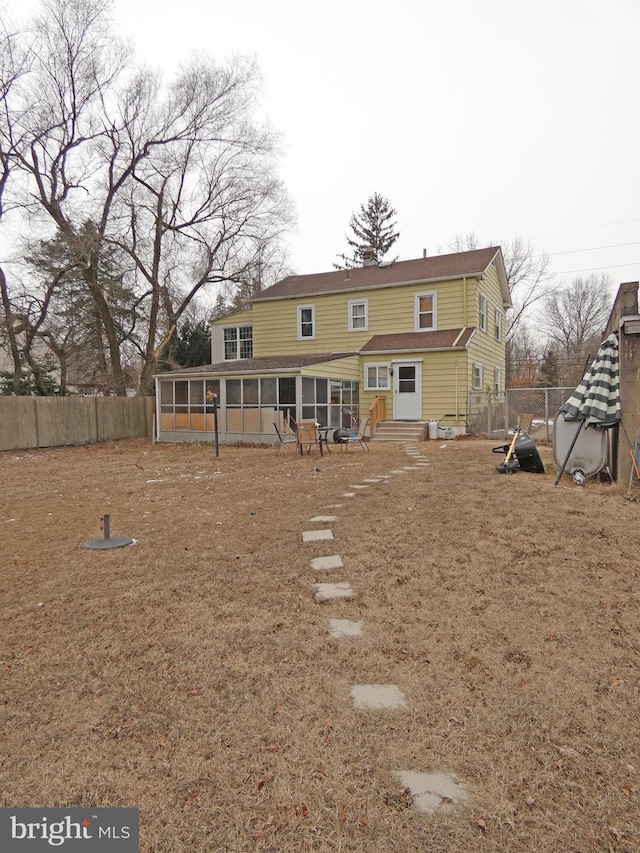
[500, 117]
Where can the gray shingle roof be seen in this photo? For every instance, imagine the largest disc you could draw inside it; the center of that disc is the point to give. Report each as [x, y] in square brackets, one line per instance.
[435, 268]
[407, 341]
[250, 365]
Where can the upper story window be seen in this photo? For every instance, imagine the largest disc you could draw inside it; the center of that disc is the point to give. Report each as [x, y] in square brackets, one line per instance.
[497, 381]
[477, 376]
[306, 322]
[358, 315]
[498, 324]
[377, 377]
[483, 312]
[425, 312]
[238, 342]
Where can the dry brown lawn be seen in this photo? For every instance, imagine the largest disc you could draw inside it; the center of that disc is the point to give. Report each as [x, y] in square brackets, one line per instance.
[192, 674]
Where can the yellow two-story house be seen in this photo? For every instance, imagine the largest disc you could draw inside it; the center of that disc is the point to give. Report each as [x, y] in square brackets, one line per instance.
[420, 340]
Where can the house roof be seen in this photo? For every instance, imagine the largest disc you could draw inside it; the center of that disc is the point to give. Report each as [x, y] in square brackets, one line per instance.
[436, 268]
[412, 341]
[256, 365]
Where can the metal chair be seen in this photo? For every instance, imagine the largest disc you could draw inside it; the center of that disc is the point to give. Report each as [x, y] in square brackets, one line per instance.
[284, 439]
[308, 436]
[359, 437]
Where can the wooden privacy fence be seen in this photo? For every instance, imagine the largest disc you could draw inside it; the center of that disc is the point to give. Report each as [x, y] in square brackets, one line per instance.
[32, 422]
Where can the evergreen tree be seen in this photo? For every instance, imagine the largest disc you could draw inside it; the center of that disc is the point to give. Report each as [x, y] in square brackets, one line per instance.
[373, 233]
[190, 348]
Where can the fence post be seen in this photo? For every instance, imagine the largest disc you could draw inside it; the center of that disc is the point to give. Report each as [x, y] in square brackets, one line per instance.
[546, 412]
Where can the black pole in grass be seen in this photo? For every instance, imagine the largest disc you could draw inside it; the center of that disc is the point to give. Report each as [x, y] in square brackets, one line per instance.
[212, 400]
[215, 423]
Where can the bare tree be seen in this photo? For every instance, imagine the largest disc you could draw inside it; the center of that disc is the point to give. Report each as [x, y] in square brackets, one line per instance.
[14, 59]
[528, 276]
[574, 316]
[176, 178]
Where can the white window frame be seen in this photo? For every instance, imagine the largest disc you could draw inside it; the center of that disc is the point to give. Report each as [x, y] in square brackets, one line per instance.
[312, 336]
[478, 376]
[379, 366]
[434, 311]
[498, 324]
[238, 341]
[483, 313]
[352, 304]
[497, 381]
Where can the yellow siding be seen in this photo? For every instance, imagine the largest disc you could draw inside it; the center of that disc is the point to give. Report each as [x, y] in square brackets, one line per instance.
[240, 318]
[345, 368]
[444, 383]
[484, 348]
[391, 310]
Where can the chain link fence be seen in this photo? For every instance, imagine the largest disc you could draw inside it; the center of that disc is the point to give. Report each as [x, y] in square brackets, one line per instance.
[491, 413]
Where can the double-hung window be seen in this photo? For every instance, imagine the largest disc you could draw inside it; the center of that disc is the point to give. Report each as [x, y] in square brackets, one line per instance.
[477, 377]
[238, 342]
[358, 315]
[306, 322]
[498, 324]
[483, 312]
[497, 381]
[425, 312]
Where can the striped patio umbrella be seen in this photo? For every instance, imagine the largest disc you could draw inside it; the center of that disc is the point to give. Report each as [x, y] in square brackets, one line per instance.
[596, 400]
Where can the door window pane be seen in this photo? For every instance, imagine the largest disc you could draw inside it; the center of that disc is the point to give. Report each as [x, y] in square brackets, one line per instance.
[406, 380]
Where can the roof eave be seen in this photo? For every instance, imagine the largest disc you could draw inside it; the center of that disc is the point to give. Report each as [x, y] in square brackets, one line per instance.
[307, 294]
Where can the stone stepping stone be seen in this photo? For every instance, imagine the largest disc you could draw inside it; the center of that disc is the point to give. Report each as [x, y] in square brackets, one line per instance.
[332, 591]
[432, 792]
[348, 494]
[399, 471]
[410, 467]
[341, 628]
[332, 506]
[326, 518]
[378, 697]
[358, 487]
[371, 481]
[327, 564]
[316, 535]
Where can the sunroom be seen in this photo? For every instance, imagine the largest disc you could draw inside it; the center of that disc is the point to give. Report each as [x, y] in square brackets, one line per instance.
[253, 394]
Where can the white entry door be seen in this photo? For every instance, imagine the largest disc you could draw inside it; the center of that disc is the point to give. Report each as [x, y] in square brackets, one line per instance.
[407, 391]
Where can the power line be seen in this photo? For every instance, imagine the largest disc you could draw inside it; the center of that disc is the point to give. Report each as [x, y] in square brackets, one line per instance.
[591, 249]
[584, 228]
[601, 267]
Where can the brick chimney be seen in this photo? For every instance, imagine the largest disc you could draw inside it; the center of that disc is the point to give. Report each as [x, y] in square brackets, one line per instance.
[368, 259]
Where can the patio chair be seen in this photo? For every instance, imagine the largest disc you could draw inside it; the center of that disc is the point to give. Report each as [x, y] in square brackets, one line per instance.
[358, 438]
[308, 436]
[284, 439]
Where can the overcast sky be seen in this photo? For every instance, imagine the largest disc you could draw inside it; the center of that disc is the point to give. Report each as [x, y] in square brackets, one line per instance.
[499, 117]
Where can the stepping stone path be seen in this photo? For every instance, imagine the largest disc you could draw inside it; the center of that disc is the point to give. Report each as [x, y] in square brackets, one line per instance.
[340, 628]
[431, 792]
[316, 535]
[329, 591]
[327, 564]
[376, 697]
